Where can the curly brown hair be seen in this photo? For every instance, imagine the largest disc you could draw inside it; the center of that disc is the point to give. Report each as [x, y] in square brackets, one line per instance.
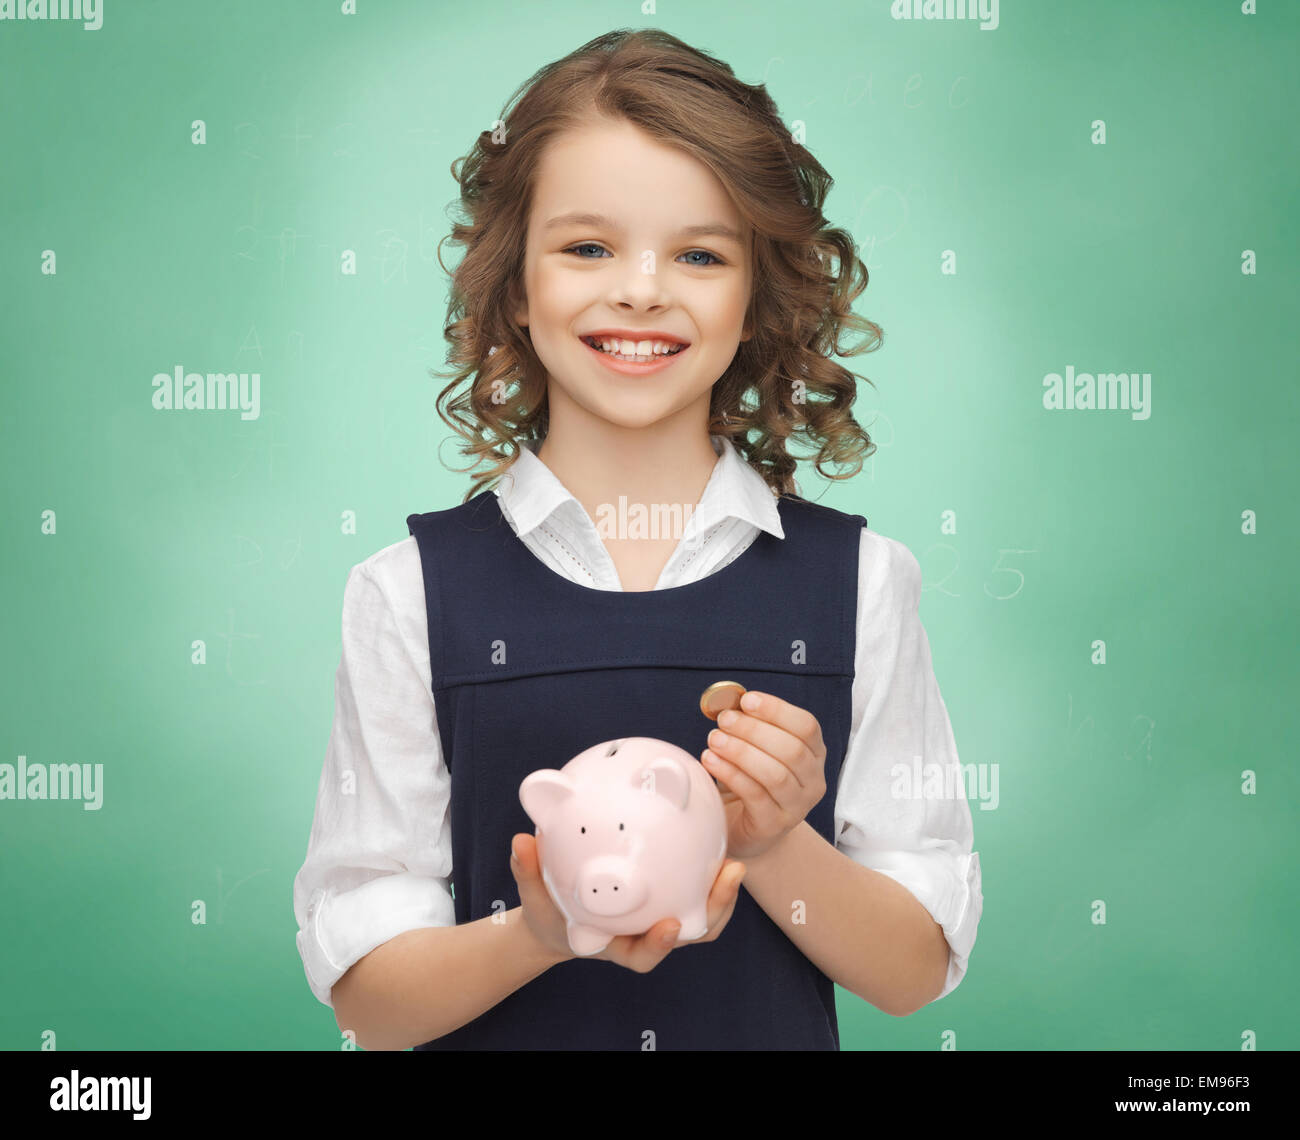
[806, 273]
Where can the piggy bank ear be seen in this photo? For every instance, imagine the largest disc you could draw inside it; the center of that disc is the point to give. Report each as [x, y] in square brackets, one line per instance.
[665, 777]
[542, 792]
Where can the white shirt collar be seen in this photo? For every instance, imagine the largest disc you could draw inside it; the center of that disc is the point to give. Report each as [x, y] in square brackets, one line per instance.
[529, 493]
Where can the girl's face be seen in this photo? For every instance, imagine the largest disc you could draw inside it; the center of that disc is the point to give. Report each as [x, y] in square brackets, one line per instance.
[628, 234]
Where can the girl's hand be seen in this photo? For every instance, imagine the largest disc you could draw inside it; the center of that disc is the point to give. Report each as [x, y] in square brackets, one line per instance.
[641, 953]
[770, 756]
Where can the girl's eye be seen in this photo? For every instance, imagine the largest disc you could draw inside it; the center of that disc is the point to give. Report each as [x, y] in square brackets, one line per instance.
[703, 252]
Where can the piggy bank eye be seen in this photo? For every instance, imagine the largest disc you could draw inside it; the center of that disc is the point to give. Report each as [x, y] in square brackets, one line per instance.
[620, 827]
[584, 831]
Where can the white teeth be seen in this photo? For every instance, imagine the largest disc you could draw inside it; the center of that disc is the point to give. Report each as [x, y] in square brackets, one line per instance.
[648, 348]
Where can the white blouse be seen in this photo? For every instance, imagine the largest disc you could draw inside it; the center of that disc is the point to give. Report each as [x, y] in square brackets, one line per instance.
[379, 854]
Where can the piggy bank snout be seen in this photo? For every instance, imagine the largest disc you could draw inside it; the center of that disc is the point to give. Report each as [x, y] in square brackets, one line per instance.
[610, 885]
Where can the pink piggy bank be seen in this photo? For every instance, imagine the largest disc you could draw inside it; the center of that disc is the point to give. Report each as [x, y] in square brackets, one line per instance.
[628, 832]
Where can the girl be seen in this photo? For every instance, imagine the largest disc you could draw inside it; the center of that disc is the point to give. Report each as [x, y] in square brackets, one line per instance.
[643, 317]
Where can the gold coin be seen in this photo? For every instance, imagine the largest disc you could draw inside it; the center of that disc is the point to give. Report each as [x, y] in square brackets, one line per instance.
[720, 696]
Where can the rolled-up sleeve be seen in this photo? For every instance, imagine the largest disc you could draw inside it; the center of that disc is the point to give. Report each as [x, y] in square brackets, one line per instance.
[901, 807]
[379, 854]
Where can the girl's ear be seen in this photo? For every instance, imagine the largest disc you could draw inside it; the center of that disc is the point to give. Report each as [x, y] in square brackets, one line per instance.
[521, 307]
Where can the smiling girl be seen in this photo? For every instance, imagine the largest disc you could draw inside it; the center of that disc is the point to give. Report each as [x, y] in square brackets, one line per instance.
[645, 315]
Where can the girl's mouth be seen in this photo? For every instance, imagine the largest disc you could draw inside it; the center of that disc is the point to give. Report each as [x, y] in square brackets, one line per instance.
[634, 365]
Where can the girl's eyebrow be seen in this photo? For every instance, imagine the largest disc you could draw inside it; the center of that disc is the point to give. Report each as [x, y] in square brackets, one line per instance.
[704, 229]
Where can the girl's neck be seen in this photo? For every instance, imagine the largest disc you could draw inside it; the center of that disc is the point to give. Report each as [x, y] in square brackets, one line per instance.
[649, 466]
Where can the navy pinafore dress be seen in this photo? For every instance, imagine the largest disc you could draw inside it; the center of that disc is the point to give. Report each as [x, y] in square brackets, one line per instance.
[530, 668]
